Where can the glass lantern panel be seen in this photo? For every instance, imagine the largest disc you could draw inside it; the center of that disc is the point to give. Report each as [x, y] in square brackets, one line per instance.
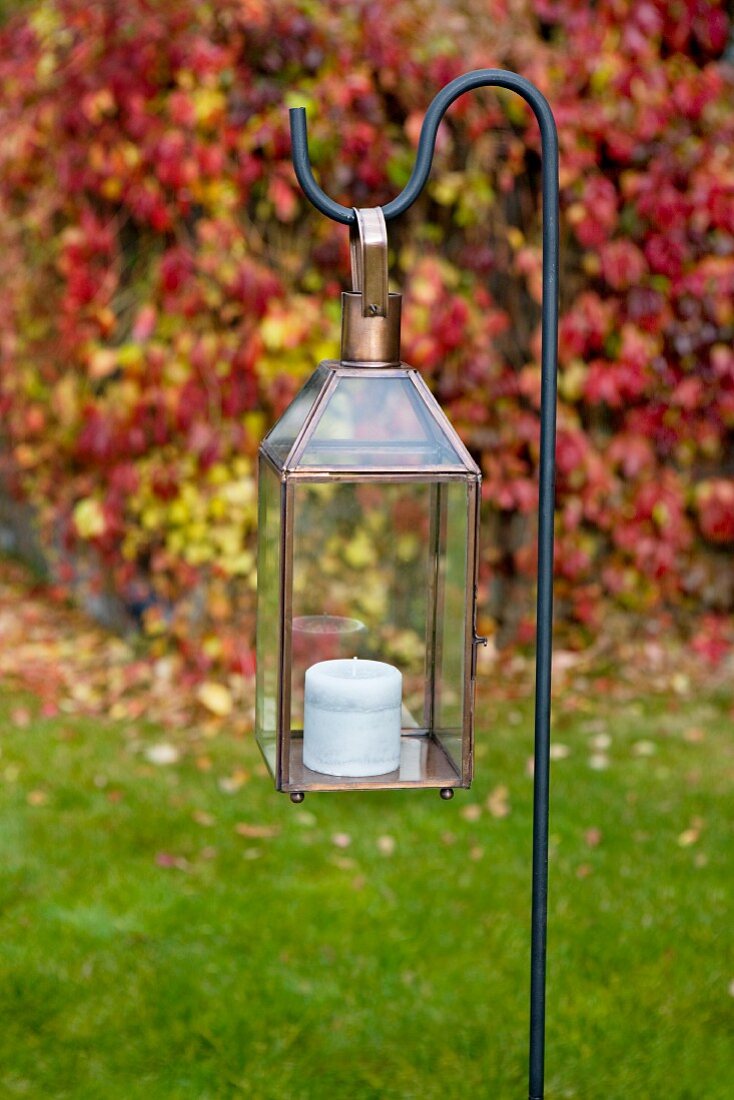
[379, 571]
[450, 536]
[282, 435]
[376, 423]
[360, 582]
[268, 613]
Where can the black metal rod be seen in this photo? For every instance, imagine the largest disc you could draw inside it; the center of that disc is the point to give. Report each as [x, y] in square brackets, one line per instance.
[499, 78]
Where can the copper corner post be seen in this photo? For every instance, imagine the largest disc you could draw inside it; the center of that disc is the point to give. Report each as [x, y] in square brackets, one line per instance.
[481, 78]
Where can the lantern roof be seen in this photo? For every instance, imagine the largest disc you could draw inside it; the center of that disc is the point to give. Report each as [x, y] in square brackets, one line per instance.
[362, 420]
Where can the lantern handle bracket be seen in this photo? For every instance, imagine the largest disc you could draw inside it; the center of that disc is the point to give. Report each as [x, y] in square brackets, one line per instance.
[368, 252]
[501, 78]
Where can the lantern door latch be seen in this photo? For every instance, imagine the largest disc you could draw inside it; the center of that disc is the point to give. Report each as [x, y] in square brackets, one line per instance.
[478, 639]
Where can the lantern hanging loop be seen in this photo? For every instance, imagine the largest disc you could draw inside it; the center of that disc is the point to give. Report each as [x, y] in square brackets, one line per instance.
[368, 252]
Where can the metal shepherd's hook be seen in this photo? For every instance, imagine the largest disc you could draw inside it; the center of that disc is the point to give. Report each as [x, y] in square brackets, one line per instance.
[499, 78]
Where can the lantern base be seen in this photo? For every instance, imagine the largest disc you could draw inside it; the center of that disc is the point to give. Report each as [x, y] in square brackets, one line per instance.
[424, 763]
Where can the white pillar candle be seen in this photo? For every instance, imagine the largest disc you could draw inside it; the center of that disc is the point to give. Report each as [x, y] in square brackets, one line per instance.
[351, 724]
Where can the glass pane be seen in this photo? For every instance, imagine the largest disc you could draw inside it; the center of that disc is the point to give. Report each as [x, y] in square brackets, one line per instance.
[449, 537]
[360, 582]
[376, 422]
[282, 435]
[268, 613]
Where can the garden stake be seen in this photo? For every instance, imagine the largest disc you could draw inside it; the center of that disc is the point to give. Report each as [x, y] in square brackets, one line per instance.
[481, 78]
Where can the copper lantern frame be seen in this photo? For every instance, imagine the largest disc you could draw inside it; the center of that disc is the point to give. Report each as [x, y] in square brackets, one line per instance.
[440, 769]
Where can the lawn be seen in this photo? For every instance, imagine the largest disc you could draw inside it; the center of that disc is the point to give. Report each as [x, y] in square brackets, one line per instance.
[173, 928]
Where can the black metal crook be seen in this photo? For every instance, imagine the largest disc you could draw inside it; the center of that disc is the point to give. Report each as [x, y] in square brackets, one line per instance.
[479, 78]
[500, 78]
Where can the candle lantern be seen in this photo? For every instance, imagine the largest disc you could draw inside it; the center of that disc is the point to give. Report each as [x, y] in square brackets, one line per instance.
[368, 512]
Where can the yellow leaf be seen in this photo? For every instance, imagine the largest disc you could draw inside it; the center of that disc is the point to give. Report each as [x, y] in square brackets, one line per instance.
[102, 363]
[359, 552]
[89, 518]
[216, 698]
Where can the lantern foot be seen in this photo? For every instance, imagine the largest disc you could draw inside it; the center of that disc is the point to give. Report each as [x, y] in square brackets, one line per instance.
[446, 793]
[297, 796]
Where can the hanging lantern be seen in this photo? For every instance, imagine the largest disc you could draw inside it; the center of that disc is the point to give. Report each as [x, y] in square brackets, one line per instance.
[367, 557]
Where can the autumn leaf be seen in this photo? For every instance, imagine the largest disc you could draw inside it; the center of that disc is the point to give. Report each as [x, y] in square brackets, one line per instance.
[263, 832]
[498, 802]
[217, 698]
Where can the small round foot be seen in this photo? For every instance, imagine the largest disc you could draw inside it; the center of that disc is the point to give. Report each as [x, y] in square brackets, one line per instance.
[297, 796]
[447, 793]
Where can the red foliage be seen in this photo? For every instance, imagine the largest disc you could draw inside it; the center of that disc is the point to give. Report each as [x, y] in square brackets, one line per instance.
[166, 288]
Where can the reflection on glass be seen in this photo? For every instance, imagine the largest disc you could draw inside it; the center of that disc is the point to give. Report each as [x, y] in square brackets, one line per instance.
[379, 572]
[282, 435]
[268, 613]
[450, 540]
[322, 638]
[378, 422]
[360, 552]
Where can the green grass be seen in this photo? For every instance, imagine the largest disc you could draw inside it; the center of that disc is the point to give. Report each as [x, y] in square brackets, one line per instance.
[150, 950]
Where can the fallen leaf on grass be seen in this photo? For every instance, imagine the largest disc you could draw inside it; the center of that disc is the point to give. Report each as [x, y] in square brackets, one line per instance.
[690, 835]
[680, 683]
[36, 798]
[344, 863]
[260, 832]
[201, 817]
[472, 812]
[386, 845]
[694, 735]
[230, 784]
[216, 698]
[167, 859]
[600, 742]
[498, 802]
[593, 837]
[162, 754]
[559, 751]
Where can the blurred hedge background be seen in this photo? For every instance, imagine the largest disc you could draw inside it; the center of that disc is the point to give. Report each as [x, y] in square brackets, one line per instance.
[166, 289]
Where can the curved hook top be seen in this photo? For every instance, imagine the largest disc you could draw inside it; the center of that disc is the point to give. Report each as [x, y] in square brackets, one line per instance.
[478, 78]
